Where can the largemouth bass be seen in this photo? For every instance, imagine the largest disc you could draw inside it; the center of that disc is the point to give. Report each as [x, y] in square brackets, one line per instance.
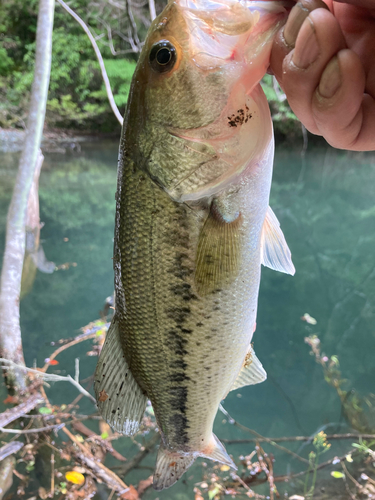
[193, 226]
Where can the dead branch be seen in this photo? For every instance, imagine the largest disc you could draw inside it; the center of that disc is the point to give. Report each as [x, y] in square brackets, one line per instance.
[260, 437]
[10, 285]
[18, 411]
[144, 485]
[100, 60]
[52, 377]
[34, 430]
[80, 338]
[105, 474]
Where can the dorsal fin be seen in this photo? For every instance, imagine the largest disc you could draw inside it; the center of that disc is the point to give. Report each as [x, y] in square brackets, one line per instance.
[121, 401]
[218, 254]
[252, 371]
[275, 252]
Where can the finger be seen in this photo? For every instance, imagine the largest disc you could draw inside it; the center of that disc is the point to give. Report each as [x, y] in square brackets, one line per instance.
[318, 40]
[365, 4]
[285, 39]
[343, 114]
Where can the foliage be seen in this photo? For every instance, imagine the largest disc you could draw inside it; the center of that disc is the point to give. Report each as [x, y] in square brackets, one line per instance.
[352, 404]
[321, 446]
[284, 120]
[77, 97]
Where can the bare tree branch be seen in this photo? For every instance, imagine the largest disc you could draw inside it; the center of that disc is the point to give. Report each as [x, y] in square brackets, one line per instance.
[10, 286]
[100, 60]
[151, 4]
[20, 410]
[34, 430]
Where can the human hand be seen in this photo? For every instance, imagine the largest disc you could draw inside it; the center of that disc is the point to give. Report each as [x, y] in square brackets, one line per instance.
[324, 60]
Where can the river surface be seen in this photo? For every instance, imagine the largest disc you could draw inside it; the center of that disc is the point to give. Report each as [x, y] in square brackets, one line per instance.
[325, 203]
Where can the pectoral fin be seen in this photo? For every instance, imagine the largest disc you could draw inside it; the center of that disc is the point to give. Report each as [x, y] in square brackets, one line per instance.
[121, 401]
[218, 255]
[275, 252]
[252, 371]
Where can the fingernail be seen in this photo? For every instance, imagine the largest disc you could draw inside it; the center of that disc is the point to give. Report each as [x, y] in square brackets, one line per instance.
[295, 20]
[331, 79]
[307, 48]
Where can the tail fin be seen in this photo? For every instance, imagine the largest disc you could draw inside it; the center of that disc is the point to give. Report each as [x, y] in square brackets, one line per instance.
[170, 466]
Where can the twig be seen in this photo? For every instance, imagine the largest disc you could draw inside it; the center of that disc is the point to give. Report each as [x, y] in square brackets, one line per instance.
[76, 340]
[52, 377]
[140, 456]
[76, 372]
[18, 411]
[52, 475]
[151, 5]
[100, 60]
[297, 438]
[259, 436]
[78, 426]
[350, 476]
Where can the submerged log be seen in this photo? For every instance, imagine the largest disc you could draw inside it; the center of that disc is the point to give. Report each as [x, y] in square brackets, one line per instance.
[9, 449]
[6, 475]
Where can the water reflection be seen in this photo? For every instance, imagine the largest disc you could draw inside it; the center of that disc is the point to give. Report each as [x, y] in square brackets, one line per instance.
[326, 209]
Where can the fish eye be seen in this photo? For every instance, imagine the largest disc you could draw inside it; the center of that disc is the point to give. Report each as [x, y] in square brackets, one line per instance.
[162, 56]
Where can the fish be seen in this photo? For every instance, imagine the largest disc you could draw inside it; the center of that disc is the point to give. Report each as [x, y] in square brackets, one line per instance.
[193, 226]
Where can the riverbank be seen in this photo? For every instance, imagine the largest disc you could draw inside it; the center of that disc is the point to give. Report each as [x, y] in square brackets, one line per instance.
[54, 140]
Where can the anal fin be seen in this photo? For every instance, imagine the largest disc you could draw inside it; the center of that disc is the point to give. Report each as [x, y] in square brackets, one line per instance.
[121, 401]
[252, 371]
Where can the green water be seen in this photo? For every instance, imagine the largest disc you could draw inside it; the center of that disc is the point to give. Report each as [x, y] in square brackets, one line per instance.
[325, 204]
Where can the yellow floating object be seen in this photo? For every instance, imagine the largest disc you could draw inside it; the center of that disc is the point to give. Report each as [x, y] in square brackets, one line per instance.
[224, 468]
[75, 477]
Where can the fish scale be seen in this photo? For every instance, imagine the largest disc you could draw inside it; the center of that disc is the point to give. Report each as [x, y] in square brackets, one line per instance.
[158, 278]
[192, 227]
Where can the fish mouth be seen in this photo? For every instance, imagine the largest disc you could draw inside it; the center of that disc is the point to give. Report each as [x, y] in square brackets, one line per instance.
[218, 28]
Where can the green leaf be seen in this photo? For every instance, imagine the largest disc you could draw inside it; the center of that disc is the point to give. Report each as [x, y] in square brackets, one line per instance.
[45, 411]
[337, 475]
